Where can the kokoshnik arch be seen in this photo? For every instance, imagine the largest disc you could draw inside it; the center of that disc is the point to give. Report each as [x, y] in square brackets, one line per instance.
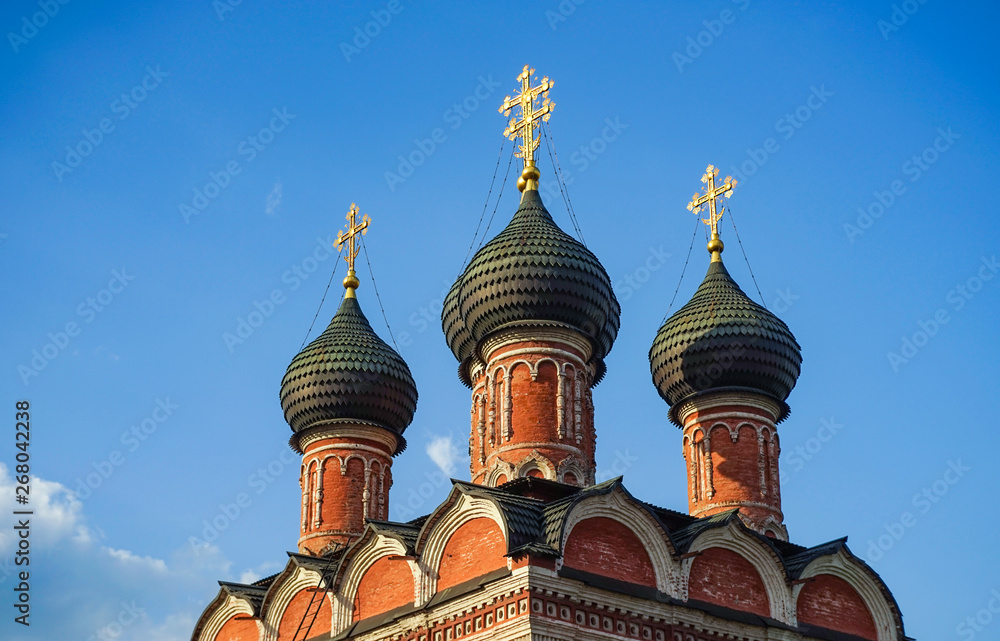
[532, 548]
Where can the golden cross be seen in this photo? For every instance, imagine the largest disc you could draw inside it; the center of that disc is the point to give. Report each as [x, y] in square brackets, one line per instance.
[711, 193]
[354, 228]
[525, 128]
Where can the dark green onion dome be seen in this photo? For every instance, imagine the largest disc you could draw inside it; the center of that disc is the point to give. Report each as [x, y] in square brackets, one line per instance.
[722, 339]
[531, 273]
[348, 374]
[455, 332]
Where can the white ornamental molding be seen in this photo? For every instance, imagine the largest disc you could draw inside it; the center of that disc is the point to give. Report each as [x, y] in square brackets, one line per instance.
[231, 608]
[859, 577]
[301, 579]
[461, 512]
[617, 506]
[758, 554]
[362, 560]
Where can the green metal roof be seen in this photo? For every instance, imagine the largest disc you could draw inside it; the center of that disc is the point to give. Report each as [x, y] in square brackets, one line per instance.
[348, 373]
[532, 272]
[722, 339]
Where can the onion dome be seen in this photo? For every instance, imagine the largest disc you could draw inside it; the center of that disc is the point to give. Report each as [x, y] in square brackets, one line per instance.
[531, 273]
[348, 374]
[722, 339]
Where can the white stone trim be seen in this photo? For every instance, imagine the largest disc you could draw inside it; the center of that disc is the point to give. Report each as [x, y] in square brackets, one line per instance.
[567, 336]
[362, 559]
[536, 461]
[757, 553]
[232, 607]
[617, 506]
[851, 570]
[364, 432]
[302, 579]
[464, 510]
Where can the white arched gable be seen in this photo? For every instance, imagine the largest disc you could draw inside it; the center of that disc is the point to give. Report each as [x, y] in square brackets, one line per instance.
[535, 461]
[284, 592]
[760, 556]
[616, 505]
[232, 607]
[500, 468]
[362, 559]
[464, 509]
[846, 567]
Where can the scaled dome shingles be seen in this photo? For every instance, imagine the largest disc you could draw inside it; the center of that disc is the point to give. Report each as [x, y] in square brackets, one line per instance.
[348, 373]
[721, 339]
[532, 272]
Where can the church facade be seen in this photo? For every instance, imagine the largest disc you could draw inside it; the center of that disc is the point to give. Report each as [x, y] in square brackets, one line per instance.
[532, 548]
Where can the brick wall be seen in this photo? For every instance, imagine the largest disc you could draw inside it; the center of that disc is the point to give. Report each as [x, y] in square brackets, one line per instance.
[476, 548]
[341, 507]
[831, 602]
[606, 547]
[387, 584]
[292, 617]
[725, 578]
[239, 628]
[534, 417]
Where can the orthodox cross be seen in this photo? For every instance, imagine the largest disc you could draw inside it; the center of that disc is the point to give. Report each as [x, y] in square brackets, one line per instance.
[350, 237]
[525, 128]
[711, 193]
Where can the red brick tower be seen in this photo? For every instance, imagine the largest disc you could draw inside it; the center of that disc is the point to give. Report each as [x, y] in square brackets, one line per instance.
[530, 321]
[347, 396]
[726, 365]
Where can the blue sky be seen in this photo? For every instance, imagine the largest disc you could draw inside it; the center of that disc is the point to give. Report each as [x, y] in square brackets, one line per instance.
[863, 136]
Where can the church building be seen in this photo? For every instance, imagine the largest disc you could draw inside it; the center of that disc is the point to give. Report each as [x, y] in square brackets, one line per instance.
[532, 548]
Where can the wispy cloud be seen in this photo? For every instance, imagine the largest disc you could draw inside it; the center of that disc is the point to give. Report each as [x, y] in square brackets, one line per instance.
[273, 199]
[443, 452]
[102, 591]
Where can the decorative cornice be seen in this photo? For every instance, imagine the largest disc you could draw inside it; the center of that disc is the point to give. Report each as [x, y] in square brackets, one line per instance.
[681, 412]
[349, 431]
[540, 333]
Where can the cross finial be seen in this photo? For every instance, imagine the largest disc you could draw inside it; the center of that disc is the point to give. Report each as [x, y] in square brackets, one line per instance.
[525, 128]
[354, 229]
[715, 211]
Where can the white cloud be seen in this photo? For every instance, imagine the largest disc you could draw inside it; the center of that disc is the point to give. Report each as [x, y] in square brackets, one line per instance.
[443, 452]
[273, 199]
[255, 574]
[82, 588]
